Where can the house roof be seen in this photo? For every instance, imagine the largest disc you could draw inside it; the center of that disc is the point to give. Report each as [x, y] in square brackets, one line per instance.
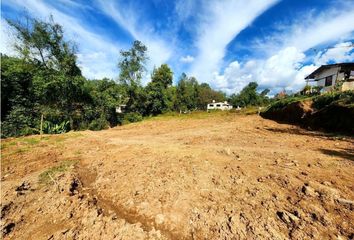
[323, 67]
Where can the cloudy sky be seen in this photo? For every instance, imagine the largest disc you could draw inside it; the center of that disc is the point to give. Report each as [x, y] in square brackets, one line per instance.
[226, 43]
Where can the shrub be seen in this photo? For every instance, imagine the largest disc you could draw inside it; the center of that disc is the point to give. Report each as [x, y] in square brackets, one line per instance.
[329, 98]
[286, 101]
[58, 128]
[132, 117]
[18, 123]
[99, 124]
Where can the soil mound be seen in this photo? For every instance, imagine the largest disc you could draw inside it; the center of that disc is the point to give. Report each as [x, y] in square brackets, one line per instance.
[333, 117]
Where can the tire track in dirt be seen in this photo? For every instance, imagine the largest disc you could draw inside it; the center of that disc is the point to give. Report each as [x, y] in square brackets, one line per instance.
[87, 177]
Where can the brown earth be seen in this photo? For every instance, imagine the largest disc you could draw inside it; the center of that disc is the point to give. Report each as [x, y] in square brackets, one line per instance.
[202, 176]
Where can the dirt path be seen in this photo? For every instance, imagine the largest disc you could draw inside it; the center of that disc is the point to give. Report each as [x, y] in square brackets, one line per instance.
[207, 176]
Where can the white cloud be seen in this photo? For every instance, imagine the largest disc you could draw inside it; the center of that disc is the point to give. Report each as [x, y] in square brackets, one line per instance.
[281, 71]
[187, 59]
[7, 39]
[342, 52]
[89, 42]
[221, 22]
[309, 30]
[283, 67]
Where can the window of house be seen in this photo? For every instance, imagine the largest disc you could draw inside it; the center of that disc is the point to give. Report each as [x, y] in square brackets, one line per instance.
[211, 105]
[218, 105]
[328, 81]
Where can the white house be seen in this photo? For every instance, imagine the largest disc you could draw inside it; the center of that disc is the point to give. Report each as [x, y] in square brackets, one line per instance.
[219, 105]
[120, 108]
[327, 76]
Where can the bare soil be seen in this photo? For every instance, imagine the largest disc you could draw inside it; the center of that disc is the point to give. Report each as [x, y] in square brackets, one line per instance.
[203, 176]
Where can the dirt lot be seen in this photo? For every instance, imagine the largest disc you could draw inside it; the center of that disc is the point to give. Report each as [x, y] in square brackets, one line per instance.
[202, 176]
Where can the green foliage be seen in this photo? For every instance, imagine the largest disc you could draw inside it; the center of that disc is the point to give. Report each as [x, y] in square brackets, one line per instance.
[186, 93]
[132, 117]
[157, 94]
[205, 95]
[132, 68]
[52, 128]
[49, 175]
[162, 76]
[99, 124]
[43, 43]
[18, 122]
[250, 97]
[279, 104]
[333, 97]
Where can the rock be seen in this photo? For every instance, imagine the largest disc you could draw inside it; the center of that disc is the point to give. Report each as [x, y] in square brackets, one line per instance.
[8, 228]
[347, 203]
[5, 208]
[23, 187]
[309, 191]
[288, 217]
[326, 183]
[159, 219]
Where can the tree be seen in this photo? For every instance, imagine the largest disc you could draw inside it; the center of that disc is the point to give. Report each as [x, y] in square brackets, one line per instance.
[187, 93]
[162, 76]
[206, 95]
[132, 67]
[249, 96]
[43, 43]
[156, 91]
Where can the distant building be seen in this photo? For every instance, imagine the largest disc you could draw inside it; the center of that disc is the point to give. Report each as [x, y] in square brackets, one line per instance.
[328, 76]
[120, 108]
[219, 105]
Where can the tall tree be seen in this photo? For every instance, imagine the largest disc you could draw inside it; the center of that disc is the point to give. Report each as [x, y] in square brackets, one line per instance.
[132, 68]
[43, 42]
[249, 96]
[187, 93]
[157, 93]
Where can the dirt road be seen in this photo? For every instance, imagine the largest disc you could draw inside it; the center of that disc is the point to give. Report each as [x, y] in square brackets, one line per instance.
[204, 176]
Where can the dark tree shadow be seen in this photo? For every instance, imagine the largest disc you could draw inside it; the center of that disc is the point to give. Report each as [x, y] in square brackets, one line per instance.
[306, 132]
[343, 153]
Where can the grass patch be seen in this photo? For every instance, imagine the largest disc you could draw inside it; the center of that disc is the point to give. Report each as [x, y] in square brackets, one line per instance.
[31, 141]
[47, 176]
[5, 145]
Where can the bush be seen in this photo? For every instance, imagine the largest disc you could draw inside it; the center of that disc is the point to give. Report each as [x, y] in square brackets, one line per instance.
[329, 98]
[286, 101]
[18, 123]
[99, 124]
[59, 128]
[132, 117]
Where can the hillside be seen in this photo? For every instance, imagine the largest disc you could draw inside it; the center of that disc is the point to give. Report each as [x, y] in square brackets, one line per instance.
[198, 176]
[331, 112]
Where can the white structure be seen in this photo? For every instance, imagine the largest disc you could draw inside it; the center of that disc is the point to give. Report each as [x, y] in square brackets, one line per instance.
[327, 76]
[219, 105]
[120, 108]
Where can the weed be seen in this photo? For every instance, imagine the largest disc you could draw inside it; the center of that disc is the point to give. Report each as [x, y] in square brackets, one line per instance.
[5, 145]
[31, 141]
[47, 176]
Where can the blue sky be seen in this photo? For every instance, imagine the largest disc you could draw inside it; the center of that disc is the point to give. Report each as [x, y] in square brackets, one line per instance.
[224, 43]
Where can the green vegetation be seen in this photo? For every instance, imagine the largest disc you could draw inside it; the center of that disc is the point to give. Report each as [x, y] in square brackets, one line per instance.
[319, 101]
[344, 98]
[49, 175]
[45, 80]
[250, 97]
[286, 101]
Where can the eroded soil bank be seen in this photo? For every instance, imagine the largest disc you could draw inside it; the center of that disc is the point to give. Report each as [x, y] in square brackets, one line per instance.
[214, 176]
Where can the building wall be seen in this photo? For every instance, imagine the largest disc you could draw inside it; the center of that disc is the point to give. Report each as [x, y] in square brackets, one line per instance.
[219, 105]
[348, 86]
[328, 72]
